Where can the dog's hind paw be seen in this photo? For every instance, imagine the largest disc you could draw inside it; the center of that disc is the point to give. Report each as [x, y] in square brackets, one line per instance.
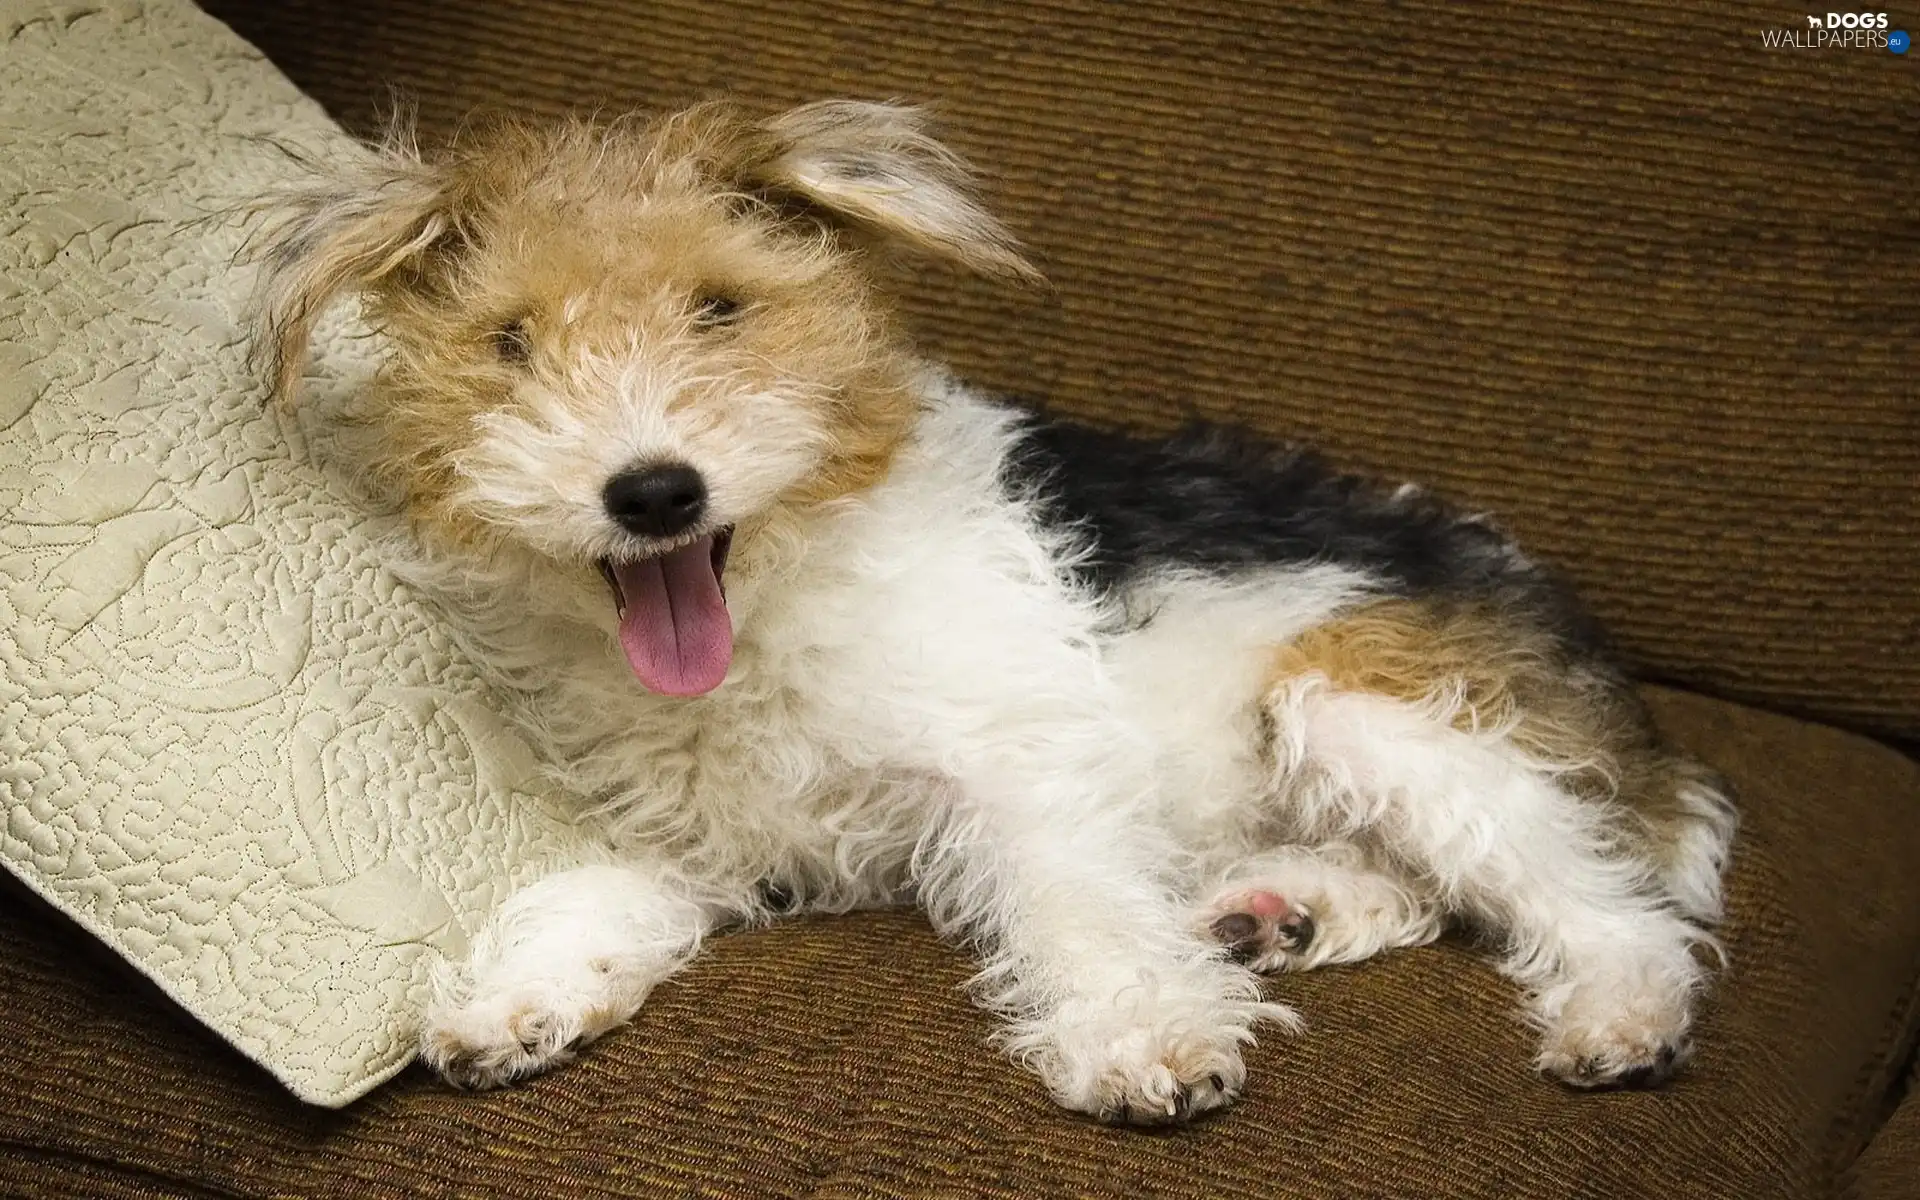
[1611, 1055]
[1261, 928]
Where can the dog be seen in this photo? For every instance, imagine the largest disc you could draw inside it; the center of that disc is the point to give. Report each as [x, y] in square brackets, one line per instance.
[812, 626]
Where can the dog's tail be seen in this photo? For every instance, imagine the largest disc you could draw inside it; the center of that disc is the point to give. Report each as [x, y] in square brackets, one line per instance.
[1688, 812]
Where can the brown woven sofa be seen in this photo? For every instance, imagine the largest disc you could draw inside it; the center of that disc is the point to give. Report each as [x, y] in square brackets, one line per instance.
[1614, 271]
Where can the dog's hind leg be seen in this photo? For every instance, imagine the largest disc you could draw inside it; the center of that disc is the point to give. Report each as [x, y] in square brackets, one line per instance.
[561, 963]
[1587, 930]
[1518, 781]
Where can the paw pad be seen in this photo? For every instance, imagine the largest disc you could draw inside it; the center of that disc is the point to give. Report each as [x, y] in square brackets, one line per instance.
[1260, 924]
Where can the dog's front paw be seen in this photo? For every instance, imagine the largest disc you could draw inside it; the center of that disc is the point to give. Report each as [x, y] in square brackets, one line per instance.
[1142, 1060]
[1145, 1076]
[563, 962]
[494, 1039]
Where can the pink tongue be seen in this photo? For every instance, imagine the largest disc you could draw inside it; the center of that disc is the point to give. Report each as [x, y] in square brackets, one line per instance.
[676, 631]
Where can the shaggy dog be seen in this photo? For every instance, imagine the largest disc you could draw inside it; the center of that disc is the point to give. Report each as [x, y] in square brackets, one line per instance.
[815, 627]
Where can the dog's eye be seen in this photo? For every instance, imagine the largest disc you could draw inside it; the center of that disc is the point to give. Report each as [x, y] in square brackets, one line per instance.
[511, 343]
[713, 310]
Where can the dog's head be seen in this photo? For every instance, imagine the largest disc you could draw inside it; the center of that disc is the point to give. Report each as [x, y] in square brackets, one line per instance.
[615, 343]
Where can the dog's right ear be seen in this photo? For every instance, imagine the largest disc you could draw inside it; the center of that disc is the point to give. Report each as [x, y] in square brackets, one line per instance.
[344, 229]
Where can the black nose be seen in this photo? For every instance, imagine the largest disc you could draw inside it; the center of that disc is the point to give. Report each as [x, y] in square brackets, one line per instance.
[656, 501]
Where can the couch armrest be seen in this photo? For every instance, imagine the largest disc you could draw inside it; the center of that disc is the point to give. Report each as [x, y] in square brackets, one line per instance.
[1637, 284]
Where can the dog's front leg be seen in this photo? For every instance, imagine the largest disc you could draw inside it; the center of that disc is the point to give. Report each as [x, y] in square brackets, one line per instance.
[1121, 1011]
[559, 964]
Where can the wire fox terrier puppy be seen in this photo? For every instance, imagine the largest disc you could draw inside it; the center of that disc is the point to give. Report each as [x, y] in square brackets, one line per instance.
[811, 626]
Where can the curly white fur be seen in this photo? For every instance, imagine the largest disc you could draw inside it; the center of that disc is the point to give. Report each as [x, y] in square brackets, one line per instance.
[918, 704]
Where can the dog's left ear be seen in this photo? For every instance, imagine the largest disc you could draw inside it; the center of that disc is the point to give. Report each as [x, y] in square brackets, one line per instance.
[874, 166]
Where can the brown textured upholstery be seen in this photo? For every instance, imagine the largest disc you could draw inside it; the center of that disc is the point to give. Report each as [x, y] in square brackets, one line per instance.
[839, 1058]
[1890, 1167]
[1611, 270]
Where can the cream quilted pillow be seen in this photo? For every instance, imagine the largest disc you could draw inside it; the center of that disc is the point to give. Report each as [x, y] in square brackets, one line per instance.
[230, 744]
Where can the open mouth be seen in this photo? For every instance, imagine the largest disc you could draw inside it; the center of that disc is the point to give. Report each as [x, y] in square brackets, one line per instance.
[672, 607]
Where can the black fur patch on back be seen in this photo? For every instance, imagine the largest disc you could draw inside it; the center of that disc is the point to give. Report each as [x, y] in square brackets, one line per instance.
[1221, 500]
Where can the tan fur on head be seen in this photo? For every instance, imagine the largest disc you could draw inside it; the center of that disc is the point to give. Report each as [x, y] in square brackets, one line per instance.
[696, 286]
[866, 167]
